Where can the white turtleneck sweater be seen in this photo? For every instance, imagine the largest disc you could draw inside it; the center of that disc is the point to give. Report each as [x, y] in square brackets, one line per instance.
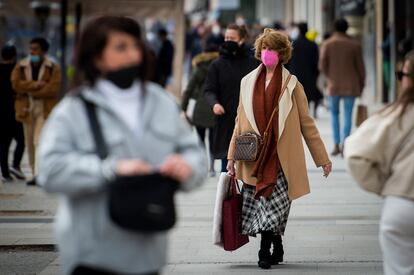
[126, 103]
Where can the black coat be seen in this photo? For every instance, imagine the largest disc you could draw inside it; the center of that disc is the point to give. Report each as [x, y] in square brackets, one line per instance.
[223, 86]
[304, 65]
[7, 96]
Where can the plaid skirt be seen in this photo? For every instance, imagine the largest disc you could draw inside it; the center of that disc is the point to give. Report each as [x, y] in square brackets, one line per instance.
[266, 214]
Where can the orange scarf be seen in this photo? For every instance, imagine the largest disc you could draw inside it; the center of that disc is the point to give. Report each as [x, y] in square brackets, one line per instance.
[264, 102]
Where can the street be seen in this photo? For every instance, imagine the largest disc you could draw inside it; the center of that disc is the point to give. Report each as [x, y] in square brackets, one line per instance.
[333, 230]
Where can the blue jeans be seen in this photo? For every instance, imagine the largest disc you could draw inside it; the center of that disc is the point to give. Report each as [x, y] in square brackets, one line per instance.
[334, 108]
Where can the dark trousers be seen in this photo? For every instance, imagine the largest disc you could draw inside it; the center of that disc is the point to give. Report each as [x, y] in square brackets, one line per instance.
[13, 131]
[202, 134]
[83, 270]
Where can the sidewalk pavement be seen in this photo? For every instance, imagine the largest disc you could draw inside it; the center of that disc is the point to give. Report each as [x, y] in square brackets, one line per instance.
[333, 230]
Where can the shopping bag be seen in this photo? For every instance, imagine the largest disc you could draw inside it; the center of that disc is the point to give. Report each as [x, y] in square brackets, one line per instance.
[232, 211]
[362, 114]
[221, 194]
[190, 108]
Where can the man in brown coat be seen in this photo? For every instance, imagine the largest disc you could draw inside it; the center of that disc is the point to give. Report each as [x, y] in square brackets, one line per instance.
[36, 80]
[342, 63]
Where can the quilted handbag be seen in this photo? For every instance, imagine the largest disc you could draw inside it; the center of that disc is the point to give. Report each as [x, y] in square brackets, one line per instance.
[248, 147]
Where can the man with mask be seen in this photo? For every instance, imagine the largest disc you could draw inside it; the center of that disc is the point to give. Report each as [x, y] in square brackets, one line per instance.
[36, 80]
[222, 87]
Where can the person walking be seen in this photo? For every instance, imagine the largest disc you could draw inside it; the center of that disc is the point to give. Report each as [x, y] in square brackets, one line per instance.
[164, 59]
[36, 80]
[222, 87]
[379, 156]
[144, 133]
[304, 65]
[342, 63]
[11, 128]
[279, 175]
[202, 115]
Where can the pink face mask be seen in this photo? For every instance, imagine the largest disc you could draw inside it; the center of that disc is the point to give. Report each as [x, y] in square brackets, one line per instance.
[269, 58]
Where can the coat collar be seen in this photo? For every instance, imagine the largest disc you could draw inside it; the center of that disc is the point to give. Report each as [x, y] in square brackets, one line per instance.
[25, 63]
[46, 62]
[285, 103]
[148, 106]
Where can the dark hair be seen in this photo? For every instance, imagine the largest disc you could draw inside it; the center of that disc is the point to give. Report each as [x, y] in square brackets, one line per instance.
[44, 45]
[240, 29]
[406, 96]
[341, 25]
[93, 40]
[8, 52]
[278, 26]
[303, 28]
[162, 32]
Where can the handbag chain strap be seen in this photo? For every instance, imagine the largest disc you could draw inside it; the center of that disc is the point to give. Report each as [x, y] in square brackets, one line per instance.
[277, 105]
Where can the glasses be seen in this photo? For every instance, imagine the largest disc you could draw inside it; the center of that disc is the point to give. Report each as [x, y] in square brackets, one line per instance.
[401, 74]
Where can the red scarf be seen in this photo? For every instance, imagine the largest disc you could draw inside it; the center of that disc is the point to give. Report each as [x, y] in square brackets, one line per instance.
[264, 102]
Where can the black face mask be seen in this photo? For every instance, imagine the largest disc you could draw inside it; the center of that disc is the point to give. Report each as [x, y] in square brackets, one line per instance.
[124, 78]
[229, 48]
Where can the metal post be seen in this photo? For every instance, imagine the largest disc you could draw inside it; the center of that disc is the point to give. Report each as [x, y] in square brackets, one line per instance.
[391, 16]
[78, 18]
[64, 11]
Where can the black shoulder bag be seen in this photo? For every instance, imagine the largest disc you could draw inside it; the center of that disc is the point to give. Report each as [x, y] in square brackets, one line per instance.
[137, 203]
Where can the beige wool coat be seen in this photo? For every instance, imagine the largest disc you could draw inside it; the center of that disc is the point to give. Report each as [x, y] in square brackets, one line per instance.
[294, 123]
[380, 154]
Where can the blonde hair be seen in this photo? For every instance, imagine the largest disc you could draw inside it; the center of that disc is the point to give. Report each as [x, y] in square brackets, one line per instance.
[274, 40]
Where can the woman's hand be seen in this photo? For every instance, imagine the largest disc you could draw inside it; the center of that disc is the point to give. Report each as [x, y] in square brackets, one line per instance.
[133, 168]
[177, 168]
[327, 169]
[218, 109]
[230, 168]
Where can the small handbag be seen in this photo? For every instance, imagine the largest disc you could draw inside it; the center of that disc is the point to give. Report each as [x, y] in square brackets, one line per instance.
[361, 114]
[231, 213]
[143, 203]
[249, 145]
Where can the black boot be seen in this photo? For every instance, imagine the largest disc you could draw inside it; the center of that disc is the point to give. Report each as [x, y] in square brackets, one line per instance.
[277, 256]
[264, 252]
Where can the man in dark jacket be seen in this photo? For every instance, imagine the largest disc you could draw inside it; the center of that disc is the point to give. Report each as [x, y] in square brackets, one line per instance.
[304, 65]
[222, 87]
[164, 59]
[11, 129]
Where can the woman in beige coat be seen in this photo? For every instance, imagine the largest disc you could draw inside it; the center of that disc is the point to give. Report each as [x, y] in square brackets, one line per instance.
[279, 175]
[380, 156]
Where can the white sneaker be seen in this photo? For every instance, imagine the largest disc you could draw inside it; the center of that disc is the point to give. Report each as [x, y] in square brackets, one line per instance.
[17, 173]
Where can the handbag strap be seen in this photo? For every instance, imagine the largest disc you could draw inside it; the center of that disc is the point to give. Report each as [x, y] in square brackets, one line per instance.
[100, 145]
[277, 105]
[233, 186]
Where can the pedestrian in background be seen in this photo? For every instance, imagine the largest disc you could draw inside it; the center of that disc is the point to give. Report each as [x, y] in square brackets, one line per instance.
[164, 59]
[380, 156]
[36, 80]
[342, 63]
[222, 87]
[11, 129]
[202, 116]
[279, 175]
[304, 65]
[145, 134]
